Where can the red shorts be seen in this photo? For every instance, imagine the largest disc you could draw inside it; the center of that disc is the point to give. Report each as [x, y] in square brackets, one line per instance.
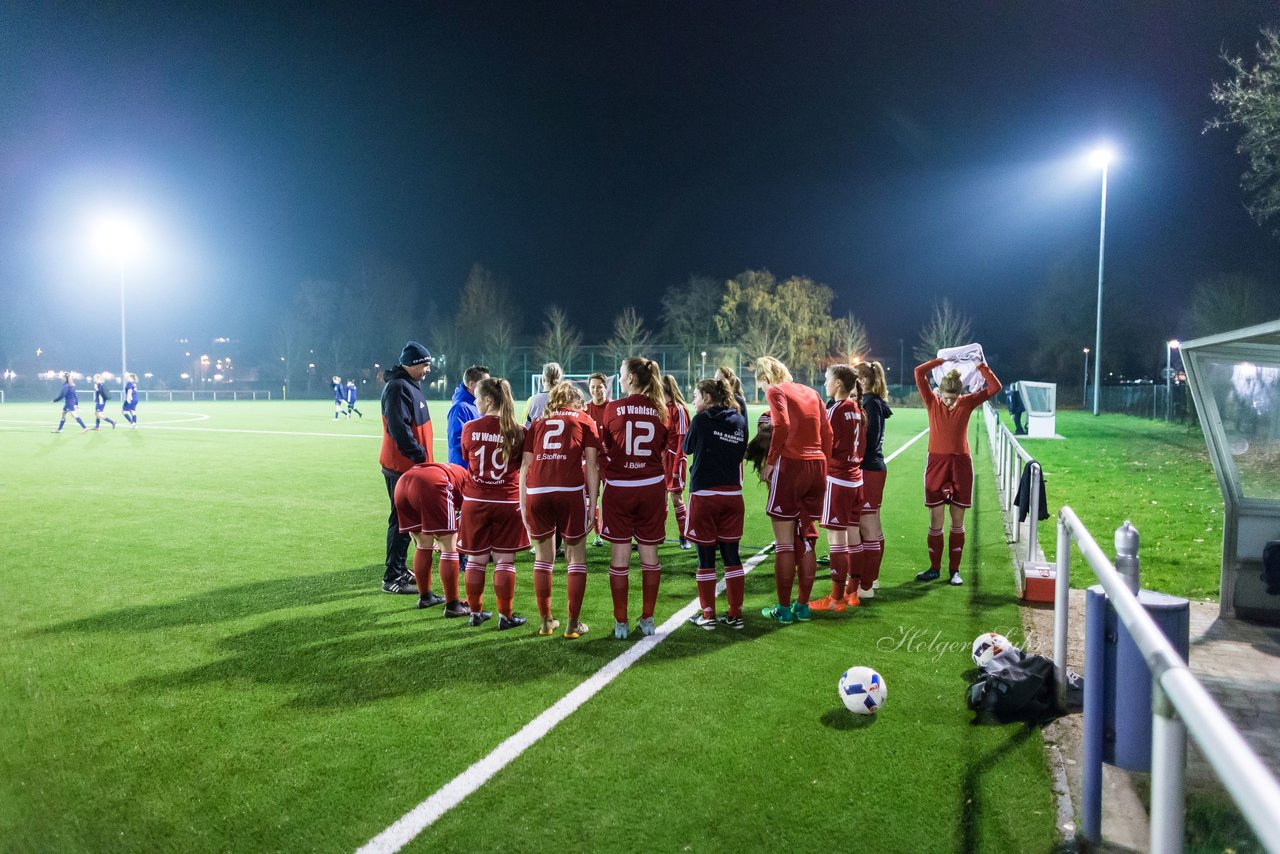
[714, 517]
[675, 468]
[424, 502]
[948, 479]
[872, 490]
[842, 506]
[797, 488]
[638, 512]
[562, 510]
[492, 526]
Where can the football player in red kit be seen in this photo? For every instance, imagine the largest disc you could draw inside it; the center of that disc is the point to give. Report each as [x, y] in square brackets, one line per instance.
[674, 465]
[428, 497]
[948, 474]
[493, 445]
[717, 440]
[842, 505]
[598, 385]
[633, 437]
[558, 492]
[796, 471]
[875, 411]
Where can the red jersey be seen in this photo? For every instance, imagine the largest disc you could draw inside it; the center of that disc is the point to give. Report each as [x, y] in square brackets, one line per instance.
[491, 476]
[677, 428]
[801, 430]
[848, 441]
[558, 442]
[949, 428]
[596, 411]
[633, 437]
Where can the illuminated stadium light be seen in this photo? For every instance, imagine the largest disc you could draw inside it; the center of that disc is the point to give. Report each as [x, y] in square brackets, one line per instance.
[1101, 157]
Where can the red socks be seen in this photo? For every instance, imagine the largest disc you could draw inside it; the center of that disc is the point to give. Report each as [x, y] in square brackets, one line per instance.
[706, 578]
[735, 582]
[808, 570]
[618, 583]
[422, 569]
[956, 550]
[504, 587]
[475, 585]
[935, 548]
[576, 585]
[449, 575]
[650, 579]
[681, 512]
[857, 567]
[872, 554]
[784, 571]
[839, 570]
[542, 587]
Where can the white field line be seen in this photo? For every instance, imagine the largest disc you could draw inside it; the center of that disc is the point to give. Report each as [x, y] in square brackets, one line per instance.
[448, 796]
[195, 416]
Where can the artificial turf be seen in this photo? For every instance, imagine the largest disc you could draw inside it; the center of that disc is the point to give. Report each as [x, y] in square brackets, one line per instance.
[1111, 468]
[196, 655]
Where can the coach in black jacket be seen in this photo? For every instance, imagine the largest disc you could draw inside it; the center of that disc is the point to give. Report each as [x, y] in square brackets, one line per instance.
[406, 441]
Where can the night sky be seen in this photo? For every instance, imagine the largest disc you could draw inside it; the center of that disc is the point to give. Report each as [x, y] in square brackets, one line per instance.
[592, 154]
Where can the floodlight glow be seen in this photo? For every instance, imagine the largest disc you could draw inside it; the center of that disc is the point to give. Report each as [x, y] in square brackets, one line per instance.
[1101, 157]
[117, 236]
[1174, 344]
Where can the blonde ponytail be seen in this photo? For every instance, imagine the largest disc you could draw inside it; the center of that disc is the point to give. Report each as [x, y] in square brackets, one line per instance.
[499, 391]
[646, 374]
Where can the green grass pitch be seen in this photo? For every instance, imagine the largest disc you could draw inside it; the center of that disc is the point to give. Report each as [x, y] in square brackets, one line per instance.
[196, 656]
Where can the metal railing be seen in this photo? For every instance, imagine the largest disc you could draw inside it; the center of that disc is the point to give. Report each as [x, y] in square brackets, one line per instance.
[149, 394]
[1180, 705]
[1006, 454]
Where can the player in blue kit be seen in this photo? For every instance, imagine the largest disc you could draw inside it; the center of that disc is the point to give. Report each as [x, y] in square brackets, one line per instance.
[100, 404]
[69, 400]
[339, 397]
[352, 396]
[129, 402]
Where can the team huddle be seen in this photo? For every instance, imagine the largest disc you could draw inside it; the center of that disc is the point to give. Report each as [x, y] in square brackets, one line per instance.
[612, 466]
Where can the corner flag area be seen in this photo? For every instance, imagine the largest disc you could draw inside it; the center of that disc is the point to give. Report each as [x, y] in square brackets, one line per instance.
[197, 655]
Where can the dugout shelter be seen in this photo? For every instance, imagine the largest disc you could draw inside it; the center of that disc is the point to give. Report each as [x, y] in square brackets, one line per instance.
[1040, 400]
[1235, 383]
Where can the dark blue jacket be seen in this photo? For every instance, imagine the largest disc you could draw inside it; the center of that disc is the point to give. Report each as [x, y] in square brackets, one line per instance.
[717, 441]
[130, 395]
[339, 392]
[462, 410]
[876, 412]
[99, 396]
[352, 395]
[68, 396]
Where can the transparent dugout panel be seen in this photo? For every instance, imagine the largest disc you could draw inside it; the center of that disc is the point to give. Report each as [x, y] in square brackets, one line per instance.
[1247, 396]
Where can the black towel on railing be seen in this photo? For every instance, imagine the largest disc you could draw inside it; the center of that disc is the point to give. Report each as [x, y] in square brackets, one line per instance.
[1271, 567]
[1023, 498]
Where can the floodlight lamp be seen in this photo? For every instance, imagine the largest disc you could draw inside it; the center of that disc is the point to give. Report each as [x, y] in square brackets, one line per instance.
[1101, 157]
[118, 236]
[1086, 350]
[1174, 344]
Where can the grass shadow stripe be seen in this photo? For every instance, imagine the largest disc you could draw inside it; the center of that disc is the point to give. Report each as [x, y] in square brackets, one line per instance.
[456, 790]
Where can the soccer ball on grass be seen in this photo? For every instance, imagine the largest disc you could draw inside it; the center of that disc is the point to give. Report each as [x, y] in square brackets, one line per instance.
[862, 690]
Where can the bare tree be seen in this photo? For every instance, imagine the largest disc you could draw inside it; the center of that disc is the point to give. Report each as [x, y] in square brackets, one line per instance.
[1225, 302]
[560, 340]
[487, 319]
[1250, 101]
[849, 339]
[629, 338]
[689, 313]
[947, 327]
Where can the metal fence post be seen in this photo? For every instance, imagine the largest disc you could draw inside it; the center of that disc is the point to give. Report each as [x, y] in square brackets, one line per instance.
[1033, 508]
[1127, 556]
[1168, 772]
[1061, 611]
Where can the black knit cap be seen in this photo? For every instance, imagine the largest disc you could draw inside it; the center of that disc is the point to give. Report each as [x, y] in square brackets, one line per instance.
[414, 354]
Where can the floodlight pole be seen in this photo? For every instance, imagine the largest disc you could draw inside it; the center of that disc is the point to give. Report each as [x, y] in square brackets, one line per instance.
[1097, 341]
[1085, 402]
